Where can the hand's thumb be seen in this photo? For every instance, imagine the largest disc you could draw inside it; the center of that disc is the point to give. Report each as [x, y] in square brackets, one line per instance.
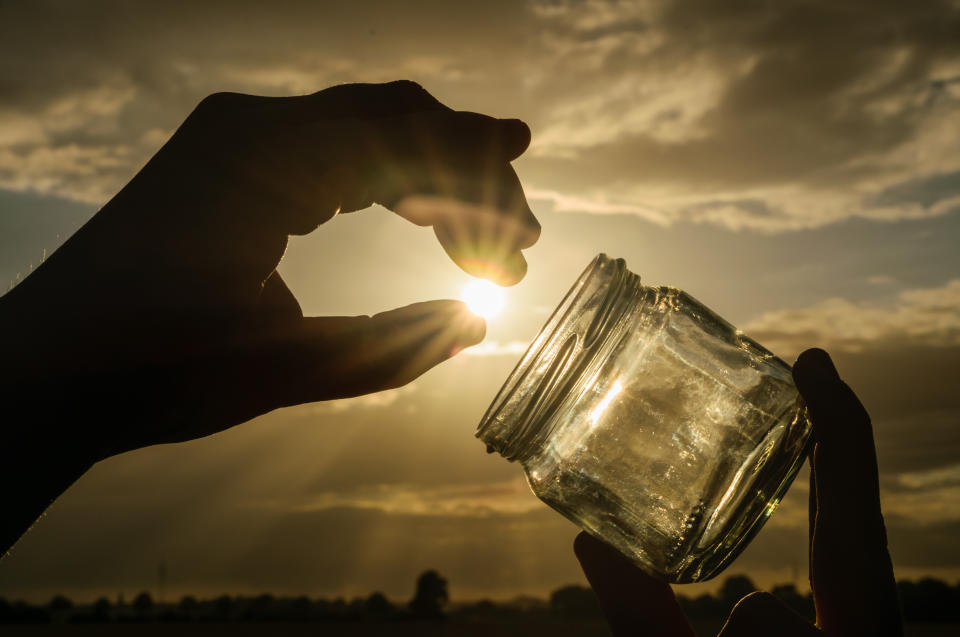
[339, 357]
[633, 602]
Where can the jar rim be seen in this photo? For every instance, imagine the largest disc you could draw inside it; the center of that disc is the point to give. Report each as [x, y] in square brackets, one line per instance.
[518, 419]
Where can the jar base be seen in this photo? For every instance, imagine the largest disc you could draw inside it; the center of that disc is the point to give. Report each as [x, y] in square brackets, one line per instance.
[713, 539]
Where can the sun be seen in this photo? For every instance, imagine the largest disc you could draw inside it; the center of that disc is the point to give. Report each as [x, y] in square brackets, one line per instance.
[483, 298]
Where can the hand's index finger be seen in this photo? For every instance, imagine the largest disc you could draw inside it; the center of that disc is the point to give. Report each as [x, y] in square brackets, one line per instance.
[452, 171]
[851, 573]
[845, 460]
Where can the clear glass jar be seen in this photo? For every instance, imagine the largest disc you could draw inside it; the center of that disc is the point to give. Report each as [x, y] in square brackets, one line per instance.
[651, 423]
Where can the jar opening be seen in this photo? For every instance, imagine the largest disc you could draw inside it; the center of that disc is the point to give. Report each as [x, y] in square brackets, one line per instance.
[561, 356]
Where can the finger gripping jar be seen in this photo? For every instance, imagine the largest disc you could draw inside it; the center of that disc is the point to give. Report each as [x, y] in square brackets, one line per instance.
[651, 423]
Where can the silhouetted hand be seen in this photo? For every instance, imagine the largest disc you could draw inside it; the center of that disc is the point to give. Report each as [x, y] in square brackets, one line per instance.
[850, 569]
[164, 319]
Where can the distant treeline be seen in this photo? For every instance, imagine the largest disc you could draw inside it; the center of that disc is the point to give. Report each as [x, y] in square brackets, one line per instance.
[929, 600]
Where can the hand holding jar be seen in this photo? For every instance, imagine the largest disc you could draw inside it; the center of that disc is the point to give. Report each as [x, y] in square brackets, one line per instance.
[850, 570]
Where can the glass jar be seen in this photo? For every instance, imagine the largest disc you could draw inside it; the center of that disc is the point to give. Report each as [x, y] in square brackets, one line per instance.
[651, 423]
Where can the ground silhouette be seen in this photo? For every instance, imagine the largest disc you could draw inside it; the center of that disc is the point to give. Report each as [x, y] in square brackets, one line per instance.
[926, 600]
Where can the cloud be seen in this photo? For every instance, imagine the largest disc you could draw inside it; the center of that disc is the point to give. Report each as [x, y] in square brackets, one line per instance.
[881, 279]
[738, 115]
[926, 192]
[378, 400]
[928, 317]
[494, 348]
[900, 357]
[73, 145]
[946, 476]
[459, 500]
[813, 110]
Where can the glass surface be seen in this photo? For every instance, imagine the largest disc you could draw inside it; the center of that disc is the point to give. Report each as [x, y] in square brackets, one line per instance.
[652, 423]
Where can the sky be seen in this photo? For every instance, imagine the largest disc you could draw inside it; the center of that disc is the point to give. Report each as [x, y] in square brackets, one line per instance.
[794, 165]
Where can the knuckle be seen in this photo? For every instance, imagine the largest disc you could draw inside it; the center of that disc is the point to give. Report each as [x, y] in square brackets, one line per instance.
[407, 86]
[217, 102]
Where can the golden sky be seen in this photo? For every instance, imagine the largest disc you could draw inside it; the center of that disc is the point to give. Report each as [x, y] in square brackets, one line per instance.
[794, 165]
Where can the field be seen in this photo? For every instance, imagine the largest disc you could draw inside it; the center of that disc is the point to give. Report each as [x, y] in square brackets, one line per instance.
[401, 629]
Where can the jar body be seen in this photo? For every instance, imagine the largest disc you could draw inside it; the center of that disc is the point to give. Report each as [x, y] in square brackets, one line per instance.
[652, 423]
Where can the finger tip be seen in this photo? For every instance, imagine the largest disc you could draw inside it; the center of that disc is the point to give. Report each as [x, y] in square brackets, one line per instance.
[472, 328]
[813, 355]
[529, 232]
[477, 331]
[503, 272]
[535, 228]
[581, 543]
[589, 549]
[517, 135]
[615, 577]
[514, 270]
[814, 365]
[507, 280]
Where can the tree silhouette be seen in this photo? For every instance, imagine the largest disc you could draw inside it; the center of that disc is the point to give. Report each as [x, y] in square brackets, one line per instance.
[260, 608]
[60, 603]
[431, 596]
[575, 602]
[224, 606]
[930, 600]
[377, 607]
[301, 607]
[188, 604]
[926, 600]
[143, 603]
[702, 606]
[101, 610]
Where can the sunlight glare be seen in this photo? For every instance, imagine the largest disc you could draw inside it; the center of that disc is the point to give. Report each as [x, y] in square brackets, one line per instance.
[483, 298]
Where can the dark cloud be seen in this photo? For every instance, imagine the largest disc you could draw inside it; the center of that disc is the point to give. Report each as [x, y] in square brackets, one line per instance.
[801, 107]
[901, 357]
[811, 96]
[912, 540]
